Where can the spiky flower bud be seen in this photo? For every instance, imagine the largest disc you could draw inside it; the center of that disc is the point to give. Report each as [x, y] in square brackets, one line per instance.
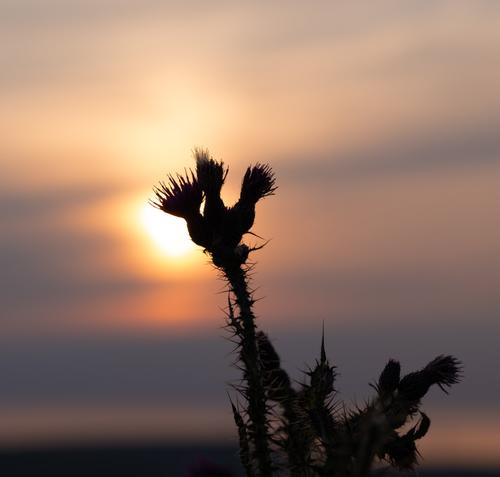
[182, 196]
[179, 196]
[389, 378]
[322, 376]
[211, 175]
[443, 371]
[258, 182]
[218, 230]
[276, 379]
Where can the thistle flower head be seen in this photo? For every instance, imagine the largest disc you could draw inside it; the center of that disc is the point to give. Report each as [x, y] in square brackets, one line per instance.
[211, 174]
[258, 182]
[443, 371]
[180, 196]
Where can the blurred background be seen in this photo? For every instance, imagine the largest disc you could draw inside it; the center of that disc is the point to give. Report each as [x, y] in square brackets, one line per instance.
[381, 120]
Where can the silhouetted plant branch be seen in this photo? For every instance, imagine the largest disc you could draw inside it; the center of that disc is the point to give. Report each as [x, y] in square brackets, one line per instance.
[298, 432]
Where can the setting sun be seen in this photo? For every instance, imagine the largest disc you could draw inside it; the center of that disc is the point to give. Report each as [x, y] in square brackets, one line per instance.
[168, 232]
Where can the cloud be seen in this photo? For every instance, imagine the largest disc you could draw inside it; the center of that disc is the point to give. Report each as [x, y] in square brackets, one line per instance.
[24, 205]
[46, 260]
[61, 268]
[385, 295]
[124, 369]
[142, 369]
[419, 153]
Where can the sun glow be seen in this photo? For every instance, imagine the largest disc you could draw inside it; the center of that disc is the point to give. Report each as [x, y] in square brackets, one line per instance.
[168, 232]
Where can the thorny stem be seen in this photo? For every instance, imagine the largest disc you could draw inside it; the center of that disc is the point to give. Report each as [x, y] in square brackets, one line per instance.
[243, 440]
[298, 440]
[257, 409]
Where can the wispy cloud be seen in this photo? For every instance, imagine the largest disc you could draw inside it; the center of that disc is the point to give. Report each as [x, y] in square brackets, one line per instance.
[26, 205]
[428, 153]
[145, 368]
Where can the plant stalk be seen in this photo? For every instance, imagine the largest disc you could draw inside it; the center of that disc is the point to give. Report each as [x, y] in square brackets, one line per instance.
[257, 408]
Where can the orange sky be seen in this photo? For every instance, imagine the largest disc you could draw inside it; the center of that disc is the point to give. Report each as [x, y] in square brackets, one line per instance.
[381, 122]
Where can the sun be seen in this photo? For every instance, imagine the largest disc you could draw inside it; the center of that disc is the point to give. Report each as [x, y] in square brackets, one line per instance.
[168, 232]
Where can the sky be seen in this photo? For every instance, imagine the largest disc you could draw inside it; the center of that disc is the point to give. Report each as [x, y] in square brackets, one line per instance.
[380, 120]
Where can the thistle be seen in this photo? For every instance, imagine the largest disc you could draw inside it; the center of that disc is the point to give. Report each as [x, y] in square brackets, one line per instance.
[304, 431]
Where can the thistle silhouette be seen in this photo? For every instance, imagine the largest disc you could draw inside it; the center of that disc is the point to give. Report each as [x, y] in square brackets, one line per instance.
[304, 432]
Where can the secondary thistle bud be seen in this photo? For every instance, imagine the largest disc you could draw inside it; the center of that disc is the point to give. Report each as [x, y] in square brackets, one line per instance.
[443, 371]
[389, 378]
[258, 183]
